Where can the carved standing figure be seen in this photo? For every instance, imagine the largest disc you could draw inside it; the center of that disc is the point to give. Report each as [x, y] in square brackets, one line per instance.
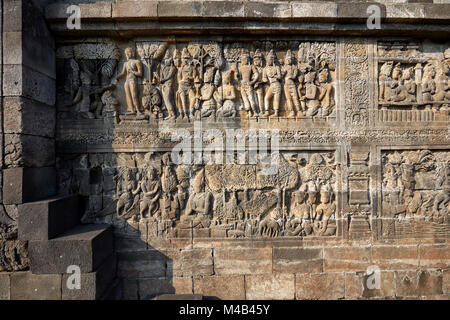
[385, 81]
[132, 69]
[186, 77]
[151, 188]
[167, 72]
[290, 73]
[259, 84]
[272, 75]
[325, 95]
[248, 76]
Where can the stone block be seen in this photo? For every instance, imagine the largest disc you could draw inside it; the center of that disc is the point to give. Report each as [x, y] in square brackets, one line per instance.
[28, 151]
[44, 220]
[265, 10]
[391, 257]
[233, 261]
[86, 246]
[221, 287]
[346, 259]
[437, 11]
[29, 117]
[140, 264]
[24, 81]
[309, 10]
[189, 262]
[418, 283]
[28, 286]
[93, 285]
[223, 9]
[434, 256]
[320, 286]
[4, 286]
[97, 10]
[151, 288]
[400, 11]
[297, 260]
[177, 9]
[147, 10]
[12, 11]
[28, 184]
[446, 281]
[358, 11]
[276, 286]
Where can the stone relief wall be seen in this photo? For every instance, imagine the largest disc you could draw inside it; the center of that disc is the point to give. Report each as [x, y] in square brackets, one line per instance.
[364, 158]
[216, 200]
[184, 81]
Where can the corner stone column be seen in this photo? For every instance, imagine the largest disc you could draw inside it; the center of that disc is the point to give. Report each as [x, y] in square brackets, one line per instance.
[27, 134]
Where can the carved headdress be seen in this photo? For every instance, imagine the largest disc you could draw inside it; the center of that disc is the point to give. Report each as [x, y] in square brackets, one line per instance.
[289, 55]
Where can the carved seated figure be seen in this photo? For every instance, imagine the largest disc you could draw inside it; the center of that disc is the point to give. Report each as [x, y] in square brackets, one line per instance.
[227, 108]
[442, 84]
[299, 222]
[199, 205]
[208, 102]
[406, 90]
[311, 94]
[151, 188]
[127, 189]
[428, 84]
[325, 224]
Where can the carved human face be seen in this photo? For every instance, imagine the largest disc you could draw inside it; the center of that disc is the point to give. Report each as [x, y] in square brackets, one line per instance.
[129, 53]
[312, 196]
[288, 61]
[270, 60]
[257, 61]
[300, 197]
[244, 60]
[324, 197]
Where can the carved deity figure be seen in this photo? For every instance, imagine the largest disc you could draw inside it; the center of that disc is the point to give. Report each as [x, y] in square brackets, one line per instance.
[324, 212]
[406, 89]
[428, 83]
[167, 72]
[259, 84]
[442, 84]
[208, 102]
[198, 209]
[290, 72]
[311, 94]
[132, 70]
[300, 214]
[151, 188]
[385, 81]
[127, 189]
[248, 76]
[272, 75]
[228, 108]
[187, 74]
[325, 92]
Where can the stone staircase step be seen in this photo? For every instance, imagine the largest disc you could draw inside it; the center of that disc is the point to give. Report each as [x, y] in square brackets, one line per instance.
[46, 219]
[85, 246]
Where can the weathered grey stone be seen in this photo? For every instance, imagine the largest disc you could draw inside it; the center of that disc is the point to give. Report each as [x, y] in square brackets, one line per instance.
[26, 184]
[267, 10]
[28, 286]
[23, 81]
[141, 264]
[85, 246]
[307, 10]
[29, 117]
[93, 285]
[44, 220]
[223, 9]
[175, 9]
[28, 151]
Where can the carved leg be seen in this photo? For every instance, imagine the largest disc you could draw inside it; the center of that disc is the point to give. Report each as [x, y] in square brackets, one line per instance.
[129, 99]
[134, 96]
